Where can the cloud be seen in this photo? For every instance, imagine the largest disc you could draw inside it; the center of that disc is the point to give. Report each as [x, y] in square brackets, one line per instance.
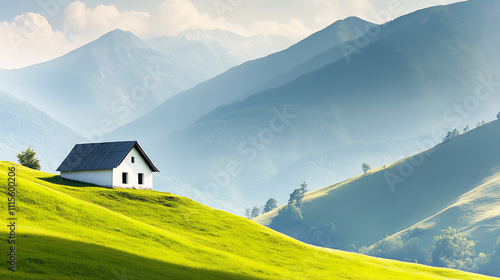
[83, 23]
[294, 29]
[331, 11]
[30, 39]
[175, 16]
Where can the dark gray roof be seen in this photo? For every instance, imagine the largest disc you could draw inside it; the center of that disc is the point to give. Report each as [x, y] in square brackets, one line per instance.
[101, 156]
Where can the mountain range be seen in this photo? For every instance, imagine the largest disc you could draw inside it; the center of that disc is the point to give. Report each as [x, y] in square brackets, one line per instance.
[118, 77]
[252, 132]
[22, 126]
[212, 52]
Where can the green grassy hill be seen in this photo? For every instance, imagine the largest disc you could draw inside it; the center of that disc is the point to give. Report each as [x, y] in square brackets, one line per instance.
[69, 230]
[454, 184]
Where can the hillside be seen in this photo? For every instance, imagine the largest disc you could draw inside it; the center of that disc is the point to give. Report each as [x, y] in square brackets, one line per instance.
[22, 125]
[67, 230]
[453, 184]
[428, 72]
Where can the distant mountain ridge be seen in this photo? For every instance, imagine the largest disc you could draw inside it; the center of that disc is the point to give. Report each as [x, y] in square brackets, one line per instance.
[118, 77]
[242, 81]
[401, 88]
[213, 52]
[22, 125]
[104, 81]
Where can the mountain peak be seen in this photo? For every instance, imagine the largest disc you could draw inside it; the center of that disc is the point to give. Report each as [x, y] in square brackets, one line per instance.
[119, 36]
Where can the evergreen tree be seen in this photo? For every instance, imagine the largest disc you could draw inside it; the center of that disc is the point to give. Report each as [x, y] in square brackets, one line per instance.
[303, 187]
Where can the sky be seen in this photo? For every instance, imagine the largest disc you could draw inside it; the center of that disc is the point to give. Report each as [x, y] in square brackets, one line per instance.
[34, 31]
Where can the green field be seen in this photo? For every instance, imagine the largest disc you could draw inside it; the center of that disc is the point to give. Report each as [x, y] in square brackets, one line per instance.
[69, 230]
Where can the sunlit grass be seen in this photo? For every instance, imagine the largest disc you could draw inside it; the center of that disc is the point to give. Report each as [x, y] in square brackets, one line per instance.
[69, 230]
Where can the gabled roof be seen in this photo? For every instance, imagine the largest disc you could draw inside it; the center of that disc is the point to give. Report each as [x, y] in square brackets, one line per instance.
[101, 156]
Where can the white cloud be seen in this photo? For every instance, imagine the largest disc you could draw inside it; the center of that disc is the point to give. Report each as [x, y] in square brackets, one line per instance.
[29, 39]
[175, 16]
[339, 9]
[33, 39]
[294, 29]
[83, 23]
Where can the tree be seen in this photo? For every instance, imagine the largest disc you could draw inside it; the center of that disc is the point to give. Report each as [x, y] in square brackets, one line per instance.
[498, 116]
[255, 212]
[466, 128]
[451, 135]
[296, 197]
[303, 187]
[28, 158]
[453, 250]
[365, 167]
[271, 204]
[288, 216]
[248, 213]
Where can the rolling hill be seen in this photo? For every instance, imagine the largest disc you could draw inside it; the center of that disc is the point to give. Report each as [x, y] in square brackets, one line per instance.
[22, 125]
[427, 72]
[453, 184]
[69, 230]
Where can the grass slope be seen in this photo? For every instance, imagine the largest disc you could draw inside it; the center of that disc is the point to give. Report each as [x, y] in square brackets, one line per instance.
[69, 230]
[453, 184]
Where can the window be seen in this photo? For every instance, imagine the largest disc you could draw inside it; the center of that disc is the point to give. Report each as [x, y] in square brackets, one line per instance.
[124, 178]
[132, 159]
[141, 178]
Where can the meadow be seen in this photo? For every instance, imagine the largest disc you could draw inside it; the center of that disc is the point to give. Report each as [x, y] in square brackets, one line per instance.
[70, 230]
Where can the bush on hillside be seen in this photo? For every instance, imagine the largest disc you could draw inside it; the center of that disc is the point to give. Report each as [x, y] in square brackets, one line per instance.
[453, 250]
[28, 158]
[396, 248]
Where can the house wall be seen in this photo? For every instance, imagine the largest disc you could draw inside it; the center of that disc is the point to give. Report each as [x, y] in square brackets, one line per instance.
[133, 169]
[102, 178]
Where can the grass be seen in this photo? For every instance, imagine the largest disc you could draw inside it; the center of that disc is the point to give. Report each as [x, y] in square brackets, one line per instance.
[366, 210]
[69, 230]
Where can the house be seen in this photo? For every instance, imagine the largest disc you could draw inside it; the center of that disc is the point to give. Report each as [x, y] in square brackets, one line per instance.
[112, 164]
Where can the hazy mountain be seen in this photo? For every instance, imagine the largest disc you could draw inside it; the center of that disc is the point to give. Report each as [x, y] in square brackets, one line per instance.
[238, 82]
[212, 52]
[22, 125]
[453, 184]
[430, 70]
[101, 85]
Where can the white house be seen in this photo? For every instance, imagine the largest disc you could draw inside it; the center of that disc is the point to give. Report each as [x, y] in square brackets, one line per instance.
[112, 164]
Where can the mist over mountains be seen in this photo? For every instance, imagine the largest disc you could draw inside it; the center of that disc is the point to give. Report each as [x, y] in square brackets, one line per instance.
[118, 78]
[22, 125]
[424, 73]
[354, 92]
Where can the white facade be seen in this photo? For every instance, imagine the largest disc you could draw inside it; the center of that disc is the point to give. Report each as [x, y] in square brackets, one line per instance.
[103, 178]
[115, 177]
[133, 170]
